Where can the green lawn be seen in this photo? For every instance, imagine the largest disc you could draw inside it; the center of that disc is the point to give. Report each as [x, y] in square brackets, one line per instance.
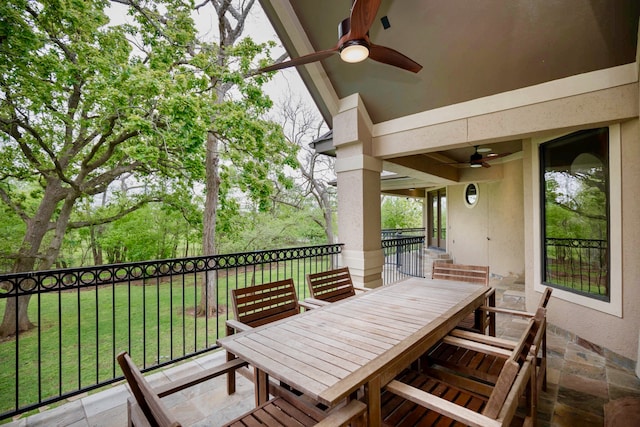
[75, 354]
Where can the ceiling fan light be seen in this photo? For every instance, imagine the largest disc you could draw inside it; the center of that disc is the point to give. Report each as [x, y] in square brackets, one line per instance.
[475, 165]
[354, 51]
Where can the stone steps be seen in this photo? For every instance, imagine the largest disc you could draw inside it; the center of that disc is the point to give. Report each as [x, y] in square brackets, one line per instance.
[431, 255]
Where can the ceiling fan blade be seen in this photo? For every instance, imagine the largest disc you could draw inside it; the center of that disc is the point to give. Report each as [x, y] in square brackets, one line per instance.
[305, 59]
[390, 56]
[485, 165]
[495, 156]
[363, 13]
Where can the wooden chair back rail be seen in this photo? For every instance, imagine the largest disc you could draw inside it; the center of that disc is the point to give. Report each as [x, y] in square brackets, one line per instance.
[149, 405]
[258, 305]
[332, 285]
[539, 348]
[511, 367]
[261, 304]
[146, 409]
[478, 274]
[463, 273]
[467, 406]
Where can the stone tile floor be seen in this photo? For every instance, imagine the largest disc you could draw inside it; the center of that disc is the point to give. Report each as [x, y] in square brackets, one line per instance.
[582, 379]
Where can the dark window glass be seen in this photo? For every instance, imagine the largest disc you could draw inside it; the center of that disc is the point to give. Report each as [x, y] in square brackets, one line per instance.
[471, 194]
[575, 220]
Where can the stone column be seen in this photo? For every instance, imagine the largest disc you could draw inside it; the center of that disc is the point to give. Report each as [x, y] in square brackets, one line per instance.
[358, 174]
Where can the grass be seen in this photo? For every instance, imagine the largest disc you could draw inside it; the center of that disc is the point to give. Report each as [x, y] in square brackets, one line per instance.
[79, 333]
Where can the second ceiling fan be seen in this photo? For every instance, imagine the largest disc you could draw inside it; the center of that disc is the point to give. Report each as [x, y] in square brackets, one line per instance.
[354, 44]
[478, 160]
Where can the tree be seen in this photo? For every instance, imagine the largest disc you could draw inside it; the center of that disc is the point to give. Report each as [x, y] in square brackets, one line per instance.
[401, 212]
[80, 108]
[84, 103]
[240, 143]
[302, 125]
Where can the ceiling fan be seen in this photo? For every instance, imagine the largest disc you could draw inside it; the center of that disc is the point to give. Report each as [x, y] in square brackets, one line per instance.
[354, 44]
[478, 160]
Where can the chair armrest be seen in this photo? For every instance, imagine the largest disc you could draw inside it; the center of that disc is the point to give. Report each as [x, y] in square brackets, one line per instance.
[484, 339]
[442, 406]
[311, 303]
[199, 377]
[238, 326]
[507, 311]
[476, 346]
[344, 415]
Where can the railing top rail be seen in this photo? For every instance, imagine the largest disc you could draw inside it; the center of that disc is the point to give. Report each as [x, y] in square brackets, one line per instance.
[391, 230]
[402, 241]
[50, 280]
[574, 242]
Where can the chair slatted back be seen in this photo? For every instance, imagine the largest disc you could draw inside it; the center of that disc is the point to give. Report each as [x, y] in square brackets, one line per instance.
[512, 366]
[332, 285]
[462, 273]
[155, 412]
[261, 304]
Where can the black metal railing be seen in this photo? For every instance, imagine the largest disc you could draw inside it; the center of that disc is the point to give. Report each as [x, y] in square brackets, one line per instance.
[403, 257]
[155, 310]
[578, 265]
[394, 233]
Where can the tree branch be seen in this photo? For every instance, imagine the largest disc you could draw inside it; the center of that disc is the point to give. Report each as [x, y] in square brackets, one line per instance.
[108, 219]
[14, 206]
[580, 212]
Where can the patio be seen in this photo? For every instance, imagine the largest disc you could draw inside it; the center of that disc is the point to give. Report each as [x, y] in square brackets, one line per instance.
[582, 379]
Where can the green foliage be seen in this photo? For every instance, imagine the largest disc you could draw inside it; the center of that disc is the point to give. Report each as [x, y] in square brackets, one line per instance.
[84, 103]
[401, 212]
[576, 206]
[283, 227]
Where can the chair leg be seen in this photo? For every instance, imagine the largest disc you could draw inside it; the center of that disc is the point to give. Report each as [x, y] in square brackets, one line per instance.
[544, 360]
[492, 316]
[231, 376]
[532, 395]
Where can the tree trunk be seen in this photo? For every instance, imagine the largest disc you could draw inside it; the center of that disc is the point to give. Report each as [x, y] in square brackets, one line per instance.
[96, 231]
[96, 250]
[16, 317]
[328, 219]
[228, 35]
[208, 305]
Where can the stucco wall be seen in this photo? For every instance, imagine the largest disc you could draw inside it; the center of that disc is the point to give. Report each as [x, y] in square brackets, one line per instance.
[491, 232]
[618, 334]
[544, 111]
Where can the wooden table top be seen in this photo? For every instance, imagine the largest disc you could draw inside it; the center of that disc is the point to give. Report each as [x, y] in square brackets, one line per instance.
[329, 352]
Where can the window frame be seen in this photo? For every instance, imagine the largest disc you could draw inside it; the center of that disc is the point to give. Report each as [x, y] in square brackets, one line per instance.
[614, 305]
[467, 203]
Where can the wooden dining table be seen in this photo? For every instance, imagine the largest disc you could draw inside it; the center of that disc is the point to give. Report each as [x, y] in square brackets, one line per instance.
[328, 353]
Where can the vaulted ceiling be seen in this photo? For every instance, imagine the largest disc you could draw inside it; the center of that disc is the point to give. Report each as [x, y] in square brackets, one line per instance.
[469, 49]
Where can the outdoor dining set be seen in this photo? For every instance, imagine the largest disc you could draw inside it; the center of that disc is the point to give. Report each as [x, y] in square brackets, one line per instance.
[418, 352]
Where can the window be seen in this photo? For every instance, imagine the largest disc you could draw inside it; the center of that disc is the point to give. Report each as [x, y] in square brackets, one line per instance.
[471, 195]
[575, 200]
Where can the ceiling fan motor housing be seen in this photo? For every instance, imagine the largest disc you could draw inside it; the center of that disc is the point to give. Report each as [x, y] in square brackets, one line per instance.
[475, 158]
[344, 27]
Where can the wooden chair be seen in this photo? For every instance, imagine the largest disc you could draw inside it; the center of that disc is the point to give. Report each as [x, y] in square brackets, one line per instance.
[456, 351]
[444, 400]
[147, 409]
[258, 305]
[331, 286]
[477, 274]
